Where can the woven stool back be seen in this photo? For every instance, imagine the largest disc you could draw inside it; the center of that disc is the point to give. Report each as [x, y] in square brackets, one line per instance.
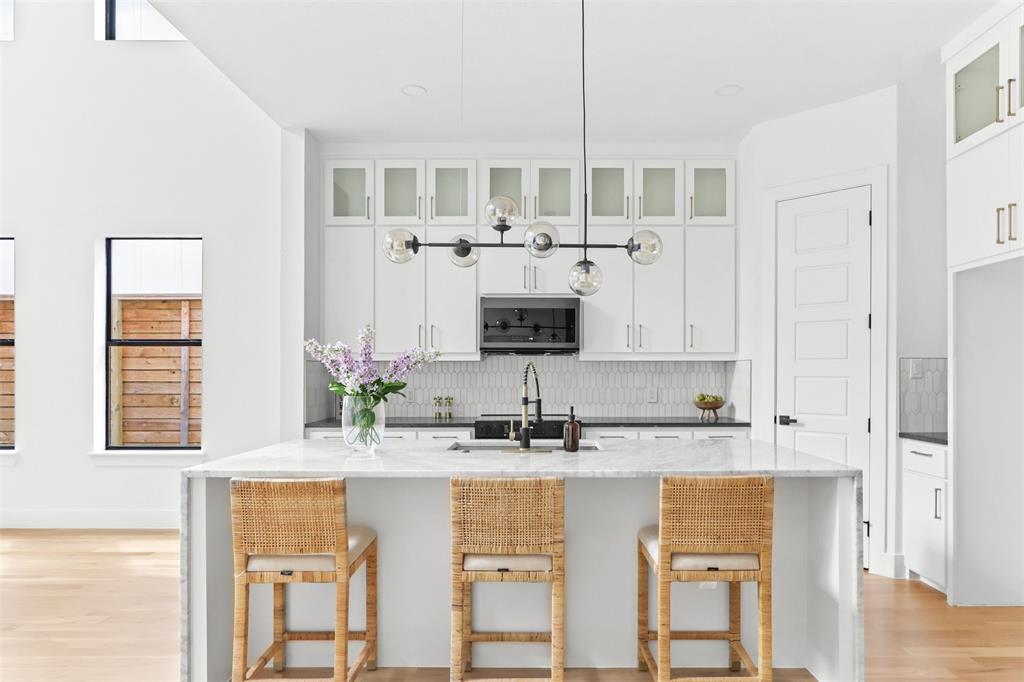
[727, 514]
[294, 516]
[507, 515]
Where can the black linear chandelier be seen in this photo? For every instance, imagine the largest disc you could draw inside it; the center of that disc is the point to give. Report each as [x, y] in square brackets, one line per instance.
[541, 238]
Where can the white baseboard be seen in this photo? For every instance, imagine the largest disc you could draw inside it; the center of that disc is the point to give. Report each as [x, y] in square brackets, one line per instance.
[24, 517]
[889, 565]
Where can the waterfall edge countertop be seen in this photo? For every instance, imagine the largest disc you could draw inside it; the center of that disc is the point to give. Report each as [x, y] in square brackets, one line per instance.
[621, 459]
[605, 422]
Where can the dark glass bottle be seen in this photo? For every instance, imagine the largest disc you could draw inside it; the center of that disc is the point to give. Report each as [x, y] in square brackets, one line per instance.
[571, 433]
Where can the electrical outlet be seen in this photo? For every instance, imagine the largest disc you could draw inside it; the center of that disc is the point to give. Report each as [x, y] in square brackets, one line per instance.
[917, 368]
[652, 395]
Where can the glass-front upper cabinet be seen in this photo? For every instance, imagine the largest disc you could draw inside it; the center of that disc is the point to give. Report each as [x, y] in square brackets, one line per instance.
[507, 179]
[348, 192]
[400, 192]
[451, 192]
[555, 192]
[659, 192]
[710, 188]
[609, 192]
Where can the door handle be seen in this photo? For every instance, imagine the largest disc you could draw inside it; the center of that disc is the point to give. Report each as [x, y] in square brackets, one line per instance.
[367, 206]
[525, 207]
[691, 207]
[999, 225]
[1009, 96]
[627, 207]
[419, 335]
[640, 207]
[535, 278]
[535, 209]
[691, 336]
[432, 337]
[786, 420]
[526, 284]
[628, 332]
[1009, 221]
[999, 99]
[641, 329]
[431, 206]
[938, 498]
[419, 207]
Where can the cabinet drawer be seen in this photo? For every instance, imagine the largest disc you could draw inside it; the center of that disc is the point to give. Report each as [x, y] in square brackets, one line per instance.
[924, 458]
[610, 434]
[392, 436]
[325, 435]
[666, 434]
[447, 436]
[721, 434]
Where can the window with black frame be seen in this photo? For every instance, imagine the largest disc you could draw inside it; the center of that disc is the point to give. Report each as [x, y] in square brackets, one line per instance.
[6, 343]
[154, 343]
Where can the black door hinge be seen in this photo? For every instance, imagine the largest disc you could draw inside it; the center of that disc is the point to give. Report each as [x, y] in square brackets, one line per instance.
[869, 424]
[870, 218]
[868, 524]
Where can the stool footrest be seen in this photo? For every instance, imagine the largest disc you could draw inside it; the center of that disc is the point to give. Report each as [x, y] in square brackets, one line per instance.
[509, 637]
[694, 634]
[264, 659]
[321, 636]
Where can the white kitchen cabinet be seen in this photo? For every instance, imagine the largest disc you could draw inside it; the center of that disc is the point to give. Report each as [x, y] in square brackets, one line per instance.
[439, 435]
[348, 266]
[659, 192]
[608, 314]
[450, 325]
[979, 200]
[400, 188]
[451, 192]
[556, 191]
[399, 300]
[396, 435]
[508, 179]
[1015, 195]
[710, 289]
[711, 192]
[665, 434]
[609, 435]
[348, 192]
[720, 433]
[551, 275]
[924, 526]
[504, 271]
[610, 192]
[660, 328]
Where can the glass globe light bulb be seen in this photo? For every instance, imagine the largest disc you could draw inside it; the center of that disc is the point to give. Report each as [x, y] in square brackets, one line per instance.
[399, 245]
[585, 278]
[501, 211]
[463, 254]
[645, 247]
[541, 239]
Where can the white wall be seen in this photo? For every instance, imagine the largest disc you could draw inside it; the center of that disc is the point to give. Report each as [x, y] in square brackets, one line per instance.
[129, 139]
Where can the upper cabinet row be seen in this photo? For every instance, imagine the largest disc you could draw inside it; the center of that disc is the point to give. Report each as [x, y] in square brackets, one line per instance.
[621, 192]
[983, 85]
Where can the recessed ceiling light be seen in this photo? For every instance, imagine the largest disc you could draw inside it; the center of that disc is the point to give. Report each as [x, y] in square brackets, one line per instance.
[730, 90]
[414, 90]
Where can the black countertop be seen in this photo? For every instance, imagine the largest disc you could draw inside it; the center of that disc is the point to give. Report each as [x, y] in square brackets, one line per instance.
[608, 422]
[937, 437]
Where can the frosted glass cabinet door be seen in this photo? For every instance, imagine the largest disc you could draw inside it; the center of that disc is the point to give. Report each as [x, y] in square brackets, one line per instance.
[348, 192]
[400, 193]
[610, 189]
[555, 192]
[977, 94]
[451, 192]
[659, 192]
[508, 179]
[710, 188]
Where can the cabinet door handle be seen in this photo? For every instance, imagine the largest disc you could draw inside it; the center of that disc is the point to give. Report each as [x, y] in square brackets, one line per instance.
[419, 207]
[419, 335]
[999, 102]
[999, 225]
[526, 283]
[627, 207]
[525, 207]
[535, 278]
[628, 334]
[691, 336]
[923, 454]
[432, 337]
[535, 209]
[938, 499]
[431, 206]
[641, 329]
[367, 206]
[691, 207]
[1009, 96]
[640, 207]
[1010, 234]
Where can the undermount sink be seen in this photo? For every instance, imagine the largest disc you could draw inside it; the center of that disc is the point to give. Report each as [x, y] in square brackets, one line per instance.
[511, 448]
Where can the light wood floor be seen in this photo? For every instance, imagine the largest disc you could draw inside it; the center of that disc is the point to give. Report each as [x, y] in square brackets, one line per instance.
[102, 606]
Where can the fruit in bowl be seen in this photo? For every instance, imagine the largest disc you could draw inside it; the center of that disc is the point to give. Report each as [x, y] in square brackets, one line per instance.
[708, 401]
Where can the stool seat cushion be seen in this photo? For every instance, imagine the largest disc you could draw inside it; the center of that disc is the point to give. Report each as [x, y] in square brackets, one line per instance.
[699, 562]
[511, 562]
[359, 538]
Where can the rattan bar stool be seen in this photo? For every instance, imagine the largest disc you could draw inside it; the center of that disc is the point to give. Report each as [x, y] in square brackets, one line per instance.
[711, 529]
[295, 531]
[507, 530]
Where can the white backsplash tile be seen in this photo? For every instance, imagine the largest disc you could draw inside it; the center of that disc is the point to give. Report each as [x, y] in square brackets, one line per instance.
[923, 400]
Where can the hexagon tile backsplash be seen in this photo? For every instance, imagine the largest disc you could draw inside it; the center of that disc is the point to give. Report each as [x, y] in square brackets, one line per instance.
[923, 394]
[596, 389]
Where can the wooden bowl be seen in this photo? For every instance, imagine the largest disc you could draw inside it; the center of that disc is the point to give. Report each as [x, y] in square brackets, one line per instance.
[706, 405]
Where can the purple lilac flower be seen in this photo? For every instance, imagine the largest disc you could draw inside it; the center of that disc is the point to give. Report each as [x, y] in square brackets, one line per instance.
[357, 372]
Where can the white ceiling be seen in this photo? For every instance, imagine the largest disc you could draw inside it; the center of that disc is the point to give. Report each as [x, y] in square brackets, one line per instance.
[501, 70]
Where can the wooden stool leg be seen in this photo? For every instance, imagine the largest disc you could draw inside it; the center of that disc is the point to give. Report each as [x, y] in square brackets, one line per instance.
[341, 627]
[371, 606]
[642, 616]
[734, 625]
[458, 624]
[764, 647]
[279, 625]
[558, 622]
[467, 626]
[664, 627]
[240, 641]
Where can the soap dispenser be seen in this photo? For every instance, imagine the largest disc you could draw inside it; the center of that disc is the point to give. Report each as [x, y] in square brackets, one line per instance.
[571, 433]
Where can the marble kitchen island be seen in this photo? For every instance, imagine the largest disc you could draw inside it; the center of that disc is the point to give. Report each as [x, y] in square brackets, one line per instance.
[610, 494]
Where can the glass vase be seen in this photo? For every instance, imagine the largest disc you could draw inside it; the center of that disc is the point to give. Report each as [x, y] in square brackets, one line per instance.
[362, 423]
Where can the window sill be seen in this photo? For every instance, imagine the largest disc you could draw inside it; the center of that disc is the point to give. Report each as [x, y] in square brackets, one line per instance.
[153, 458]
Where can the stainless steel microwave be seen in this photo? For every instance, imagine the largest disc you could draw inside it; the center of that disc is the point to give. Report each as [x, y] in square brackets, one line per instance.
[530, 326]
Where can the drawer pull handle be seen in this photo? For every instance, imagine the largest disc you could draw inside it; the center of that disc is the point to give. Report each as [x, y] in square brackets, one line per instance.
[923, 454]
[668, 437]
[611, 436]
[719, 437]
[444, 437]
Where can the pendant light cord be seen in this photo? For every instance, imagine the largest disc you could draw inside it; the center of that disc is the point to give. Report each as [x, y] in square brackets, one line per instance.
[583, 80]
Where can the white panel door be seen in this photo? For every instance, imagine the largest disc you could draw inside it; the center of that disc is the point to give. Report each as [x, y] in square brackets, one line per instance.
[451, 192]
[976, 202]
[451, 297]
[400, 188]
[610, 192]
[504, 271]
[556, 191]
[658, 185]
[348, 192]
[347, 266]
[658, 297]
[551, 275]
[710, 302]
[608, 314]
[399, 300]
[509, 179]
[823, 343]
